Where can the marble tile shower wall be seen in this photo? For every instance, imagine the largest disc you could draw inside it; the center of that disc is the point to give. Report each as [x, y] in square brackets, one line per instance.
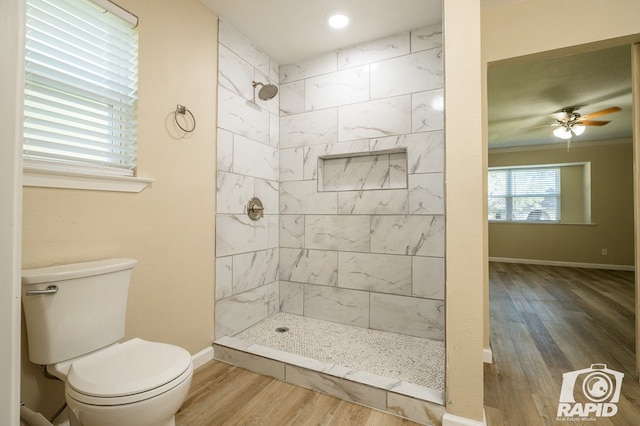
[370, 255]
[247, 251]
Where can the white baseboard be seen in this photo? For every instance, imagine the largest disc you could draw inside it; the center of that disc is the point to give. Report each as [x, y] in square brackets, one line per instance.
[562, 263]
[202, 357]
[487, 356]
[451, 420]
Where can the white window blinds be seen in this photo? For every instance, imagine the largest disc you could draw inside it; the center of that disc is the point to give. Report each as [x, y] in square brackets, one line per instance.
[80, 86]
[527, 194]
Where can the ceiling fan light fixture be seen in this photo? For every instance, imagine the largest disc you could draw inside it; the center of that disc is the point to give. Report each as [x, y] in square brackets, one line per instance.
[578, 129]
[562, 132]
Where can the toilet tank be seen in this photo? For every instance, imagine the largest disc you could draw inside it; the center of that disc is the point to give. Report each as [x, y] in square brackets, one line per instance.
[71, 310]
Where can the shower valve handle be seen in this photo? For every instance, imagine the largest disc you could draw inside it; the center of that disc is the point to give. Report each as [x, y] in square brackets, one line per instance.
[255, 210]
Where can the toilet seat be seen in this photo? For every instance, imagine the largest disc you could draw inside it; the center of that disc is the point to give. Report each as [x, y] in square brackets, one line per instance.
[128, 372]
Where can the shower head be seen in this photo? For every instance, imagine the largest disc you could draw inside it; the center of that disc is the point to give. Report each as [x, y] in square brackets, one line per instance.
[267, 91]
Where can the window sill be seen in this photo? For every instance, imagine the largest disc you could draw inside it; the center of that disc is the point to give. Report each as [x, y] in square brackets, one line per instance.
[539, 222]
[45, 176]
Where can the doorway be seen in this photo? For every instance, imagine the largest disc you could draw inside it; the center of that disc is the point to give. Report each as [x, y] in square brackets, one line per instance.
[521, 121]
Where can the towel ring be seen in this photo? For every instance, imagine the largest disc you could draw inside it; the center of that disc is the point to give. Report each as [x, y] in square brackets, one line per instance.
[181, 109]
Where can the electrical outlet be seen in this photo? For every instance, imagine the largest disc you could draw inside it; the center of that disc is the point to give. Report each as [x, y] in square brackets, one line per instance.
[604, 252]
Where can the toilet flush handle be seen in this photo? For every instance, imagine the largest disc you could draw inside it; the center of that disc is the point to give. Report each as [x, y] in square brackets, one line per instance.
[49, 290]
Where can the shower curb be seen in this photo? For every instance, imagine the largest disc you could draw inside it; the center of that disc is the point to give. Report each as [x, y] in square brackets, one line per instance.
[414, 402]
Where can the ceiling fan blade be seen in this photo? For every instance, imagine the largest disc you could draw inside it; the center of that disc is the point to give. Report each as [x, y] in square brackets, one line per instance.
[592, 122]
[599, 113]
[543, 126]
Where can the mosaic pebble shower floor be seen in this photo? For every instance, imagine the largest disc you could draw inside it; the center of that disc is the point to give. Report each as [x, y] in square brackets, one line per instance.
[410, 359]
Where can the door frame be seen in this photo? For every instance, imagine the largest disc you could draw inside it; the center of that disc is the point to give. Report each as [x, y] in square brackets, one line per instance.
[635, 85]
[11, 91]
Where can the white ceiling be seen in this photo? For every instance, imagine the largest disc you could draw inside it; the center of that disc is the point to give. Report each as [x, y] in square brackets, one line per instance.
[520, 95]
[293, 30]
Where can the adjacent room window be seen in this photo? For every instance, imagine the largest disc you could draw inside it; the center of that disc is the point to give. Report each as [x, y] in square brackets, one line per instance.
[524, 194]
[81, 87]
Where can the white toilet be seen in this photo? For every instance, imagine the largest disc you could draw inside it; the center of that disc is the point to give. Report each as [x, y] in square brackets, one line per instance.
[75, 316]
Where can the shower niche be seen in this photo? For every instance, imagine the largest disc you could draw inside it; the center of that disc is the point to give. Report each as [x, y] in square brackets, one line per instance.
[363, 171]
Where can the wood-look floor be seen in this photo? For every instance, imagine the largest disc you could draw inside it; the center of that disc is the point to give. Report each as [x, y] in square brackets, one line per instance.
[222, 394]
[546, 321]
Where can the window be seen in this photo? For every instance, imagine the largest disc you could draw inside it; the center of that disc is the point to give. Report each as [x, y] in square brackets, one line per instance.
[80, 87]
[524, 194]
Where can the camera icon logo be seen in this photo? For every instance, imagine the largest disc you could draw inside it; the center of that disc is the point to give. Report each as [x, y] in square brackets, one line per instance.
[592, 391]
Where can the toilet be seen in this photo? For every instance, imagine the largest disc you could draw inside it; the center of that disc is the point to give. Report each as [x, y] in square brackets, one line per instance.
[75, 318]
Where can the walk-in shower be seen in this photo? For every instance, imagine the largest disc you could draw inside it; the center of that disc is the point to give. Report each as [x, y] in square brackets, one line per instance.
[339, 286]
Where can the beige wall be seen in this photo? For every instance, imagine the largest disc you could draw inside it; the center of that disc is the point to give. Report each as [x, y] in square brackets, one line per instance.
[541, 28]
[532, 27]
[575, 180]
[464, 210]
[611, 209]
[168, 227]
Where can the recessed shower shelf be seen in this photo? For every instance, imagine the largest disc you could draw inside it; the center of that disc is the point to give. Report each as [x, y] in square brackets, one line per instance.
[371, 170]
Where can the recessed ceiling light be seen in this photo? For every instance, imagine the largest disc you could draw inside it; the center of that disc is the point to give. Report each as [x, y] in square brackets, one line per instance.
[337, 19]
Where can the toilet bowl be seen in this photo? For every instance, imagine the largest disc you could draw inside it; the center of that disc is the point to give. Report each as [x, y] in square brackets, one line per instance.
[135, 383]
[75, 319]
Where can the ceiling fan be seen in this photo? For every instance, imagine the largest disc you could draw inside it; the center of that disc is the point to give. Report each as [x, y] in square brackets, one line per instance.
[569, 122]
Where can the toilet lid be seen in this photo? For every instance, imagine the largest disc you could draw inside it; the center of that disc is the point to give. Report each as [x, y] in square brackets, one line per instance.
[132, 367]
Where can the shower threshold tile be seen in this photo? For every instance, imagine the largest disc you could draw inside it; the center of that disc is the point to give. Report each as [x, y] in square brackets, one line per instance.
[406, 365]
